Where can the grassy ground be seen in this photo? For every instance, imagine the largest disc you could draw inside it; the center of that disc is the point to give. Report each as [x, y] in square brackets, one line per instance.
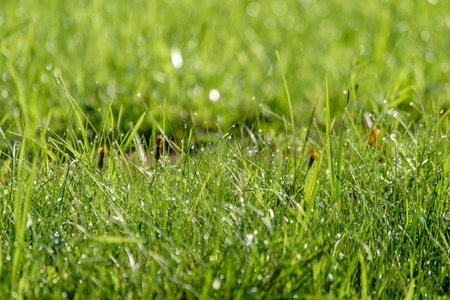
[282, 187]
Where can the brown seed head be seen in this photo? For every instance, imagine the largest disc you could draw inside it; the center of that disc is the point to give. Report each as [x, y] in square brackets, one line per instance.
[314, 156]
[159, 144]
[102, 151]
[101, 156]
[374, 136]
[159, 141]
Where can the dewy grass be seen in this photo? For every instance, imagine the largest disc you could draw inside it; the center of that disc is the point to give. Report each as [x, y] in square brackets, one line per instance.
[228, 204]
[220, 220]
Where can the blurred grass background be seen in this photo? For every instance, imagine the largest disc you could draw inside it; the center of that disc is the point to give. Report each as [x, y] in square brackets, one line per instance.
[178, 51]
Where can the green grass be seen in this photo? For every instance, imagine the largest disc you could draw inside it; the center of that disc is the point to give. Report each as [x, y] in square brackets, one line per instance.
[383, 47]
[234, 208]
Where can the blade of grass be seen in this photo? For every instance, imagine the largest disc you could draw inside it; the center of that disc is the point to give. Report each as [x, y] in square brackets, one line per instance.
[329, 147]
[310, 184]
[133, 132]
[22, 201]
[363, 278]
[292, 117]
[410, 294]
[339, 154]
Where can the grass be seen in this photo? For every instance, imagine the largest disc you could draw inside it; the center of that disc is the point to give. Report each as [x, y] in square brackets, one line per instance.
[380, 49]
[221, 219]
[234, 207]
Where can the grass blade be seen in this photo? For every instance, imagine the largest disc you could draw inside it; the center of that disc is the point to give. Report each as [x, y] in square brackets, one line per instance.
[292, 117]
[329, 148]
[310, 184]
[132, 134]
[339, 154]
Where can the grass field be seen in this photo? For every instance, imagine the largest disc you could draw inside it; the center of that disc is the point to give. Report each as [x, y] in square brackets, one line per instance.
[305, 149]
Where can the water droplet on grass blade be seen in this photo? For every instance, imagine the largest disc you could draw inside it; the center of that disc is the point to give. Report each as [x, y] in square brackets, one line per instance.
[216, 284]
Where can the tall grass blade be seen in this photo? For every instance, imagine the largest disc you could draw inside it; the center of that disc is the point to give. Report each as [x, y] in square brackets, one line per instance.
[410, 294]
[292, 117]
[329, 145]
[339, 154]
[310, 184]
[133, 132]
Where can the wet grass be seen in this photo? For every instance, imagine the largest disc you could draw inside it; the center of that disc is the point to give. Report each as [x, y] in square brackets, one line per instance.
[227, 218]
[248, 150]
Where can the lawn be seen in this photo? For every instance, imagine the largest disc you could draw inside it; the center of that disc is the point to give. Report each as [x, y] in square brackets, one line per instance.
[203, 149]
